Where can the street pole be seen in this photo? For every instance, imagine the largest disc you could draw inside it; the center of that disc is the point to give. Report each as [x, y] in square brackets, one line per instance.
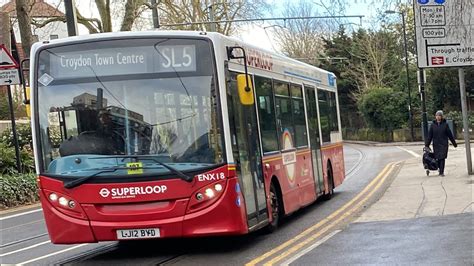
[154, 12]
[6, 40]
[211, 16]
[421, 82]
[410, 116]
[15, 136]
[71, 18]
[462, 87]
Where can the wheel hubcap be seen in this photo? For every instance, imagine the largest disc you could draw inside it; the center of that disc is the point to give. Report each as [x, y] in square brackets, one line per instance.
[274, 203]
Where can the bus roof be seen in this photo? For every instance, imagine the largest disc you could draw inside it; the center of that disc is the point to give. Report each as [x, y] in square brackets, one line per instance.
[324, 77]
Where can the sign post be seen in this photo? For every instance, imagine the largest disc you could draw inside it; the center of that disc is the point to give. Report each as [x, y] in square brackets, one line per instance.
[9, 75]
[444, 38]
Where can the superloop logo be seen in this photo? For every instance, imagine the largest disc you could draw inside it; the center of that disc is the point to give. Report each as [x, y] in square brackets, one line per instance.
[289, 158]
[131, 192]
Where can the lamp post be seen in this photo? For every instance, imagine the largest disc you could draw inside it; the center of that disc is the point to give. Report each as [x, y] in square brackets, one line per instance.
[410, 116]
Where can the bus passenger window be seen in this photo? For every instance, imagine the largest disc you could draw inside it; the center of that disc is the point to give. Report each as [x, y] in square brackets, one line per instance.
[333, 112]
[266, 114]
[325, 116]
[283, 114]
[299, 116]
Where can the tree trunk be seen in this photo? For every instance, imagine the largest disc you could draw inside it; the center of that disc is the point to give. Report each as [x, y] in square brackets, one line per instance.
[103, 6]
[24, 23]
[130, 14]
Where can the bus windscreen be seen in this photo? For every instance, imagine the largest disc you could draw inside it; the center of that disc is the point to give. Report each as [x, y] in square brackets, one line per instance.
[99, 101]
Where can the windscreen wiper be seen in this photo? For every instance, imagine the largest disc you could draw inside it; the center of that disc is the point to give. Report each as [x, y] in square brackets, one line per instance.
[76, 182]
[79, 181]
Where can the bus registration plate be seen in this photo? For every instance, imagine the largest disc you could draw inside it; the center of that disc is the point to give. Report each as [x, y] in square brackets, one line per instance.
[138, 233]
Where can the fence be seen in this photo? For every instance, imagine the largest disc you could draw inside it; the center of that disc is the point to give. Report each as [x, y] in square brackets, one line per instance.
[396, 135]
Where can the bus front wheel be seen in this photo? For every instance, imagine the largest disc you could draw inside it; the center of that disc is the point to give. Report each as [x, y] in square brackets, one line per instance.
[275, 208]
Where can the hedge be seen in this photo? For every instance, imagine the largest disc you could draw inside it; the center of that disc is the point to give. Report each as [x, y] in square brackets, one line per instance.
[18, 189]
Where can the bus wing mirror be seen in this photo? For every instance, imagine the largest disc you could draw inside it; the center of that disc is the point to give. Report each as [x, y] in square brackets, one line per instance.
[245, 89]
[27, 102]
[244, 81]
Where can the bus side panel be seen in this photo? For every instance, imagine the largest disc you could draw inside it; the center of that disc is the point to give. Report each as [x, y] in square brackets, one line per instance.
[333, 153]
[296, 180]
[273, 166]
[304, 178]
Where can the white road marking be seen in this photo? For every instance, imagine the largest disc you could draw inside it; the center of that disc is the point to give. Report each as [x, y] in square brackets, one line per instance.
[308, 249]
[52, 254]
[23, 249]
[410, 152]
[20, 214]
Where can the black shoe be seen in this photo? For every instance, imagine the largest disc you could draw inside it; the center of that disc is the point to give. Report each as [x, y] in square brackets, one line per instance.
[441, 174]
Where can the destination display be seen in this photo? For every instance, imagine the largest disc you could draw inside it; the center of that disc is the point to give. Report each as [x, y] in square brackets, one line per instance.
[122, 61]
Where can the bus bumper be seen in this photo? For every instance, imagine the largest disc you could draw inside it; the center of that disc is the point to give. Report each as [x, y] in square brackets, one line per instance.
[224, 217]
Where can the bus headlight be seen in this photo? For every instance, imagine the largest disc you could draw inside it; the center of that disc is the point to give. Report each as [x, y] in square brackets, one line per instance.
[63, 201]
[206, 196]
[209, 192]
[65, 204]
[53, 197]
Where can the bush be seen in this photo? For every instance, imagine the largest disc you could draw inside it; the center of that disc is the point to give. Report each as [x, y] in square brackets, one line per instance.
[8, 160]
[23, 133]
[457, 117]
[383, 108]
[18, 189]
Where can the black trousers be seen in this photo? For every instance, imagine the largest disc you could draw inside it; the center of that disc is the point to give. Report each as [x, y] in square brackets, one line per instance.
[441, 163]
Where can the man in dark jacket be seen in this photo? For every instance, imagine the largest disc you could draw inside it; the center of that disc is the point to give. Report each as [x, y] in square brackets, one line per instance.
[439, 133]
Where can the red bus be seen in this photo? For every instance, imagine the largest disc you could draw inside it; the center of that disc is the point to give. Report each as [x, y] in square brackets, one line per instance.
[177, 134]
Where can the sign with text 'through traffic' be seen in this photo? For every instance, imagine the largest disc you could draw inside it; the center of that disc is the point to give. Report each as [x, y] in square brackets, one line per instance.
[444, 32]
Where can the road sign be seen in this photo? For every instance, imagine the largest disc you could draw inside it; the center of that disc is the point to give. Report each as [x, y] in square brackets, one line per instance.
[6, 59]
[444, 32]
[9, 77]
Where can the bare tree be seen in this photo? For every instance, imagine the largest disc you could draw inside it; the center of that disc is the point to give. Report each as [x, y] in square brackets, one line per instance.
[171, 12]
[184, 11]
[301, 38]
[375, 61]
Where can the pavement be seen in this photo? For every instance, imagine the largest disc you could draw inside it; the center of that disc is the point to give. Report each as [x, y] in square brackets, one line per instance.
[389, 144]
[419, 220]
[413, 194]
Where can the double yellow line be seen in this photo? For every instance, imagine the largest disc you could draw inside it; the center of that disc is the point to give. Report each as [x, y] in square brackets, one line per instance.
[313, 232]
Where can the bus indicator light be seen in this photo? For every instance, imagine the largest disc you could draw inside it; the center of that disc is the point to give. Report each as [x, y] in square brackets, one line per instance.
[218, 187]
[71, 204]
[199, 196]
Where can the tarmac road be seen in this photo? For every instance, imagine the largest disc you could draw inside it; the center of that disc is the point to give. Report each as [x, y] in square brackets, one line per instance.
[25, 240]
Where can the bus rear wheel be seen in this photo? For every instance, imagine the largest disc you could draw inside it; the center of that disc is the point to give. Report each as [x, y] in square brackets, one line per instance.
[275, 209]
[330, 176]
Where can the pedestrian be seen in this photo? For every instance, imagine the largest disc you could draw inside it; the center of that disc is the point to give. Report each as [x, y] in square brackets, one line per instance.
[439, 133]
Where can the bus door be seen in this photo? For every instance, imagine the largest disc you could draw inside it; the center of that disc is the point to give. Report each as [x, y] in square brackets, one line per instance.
[247, 155]
[314, 139]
